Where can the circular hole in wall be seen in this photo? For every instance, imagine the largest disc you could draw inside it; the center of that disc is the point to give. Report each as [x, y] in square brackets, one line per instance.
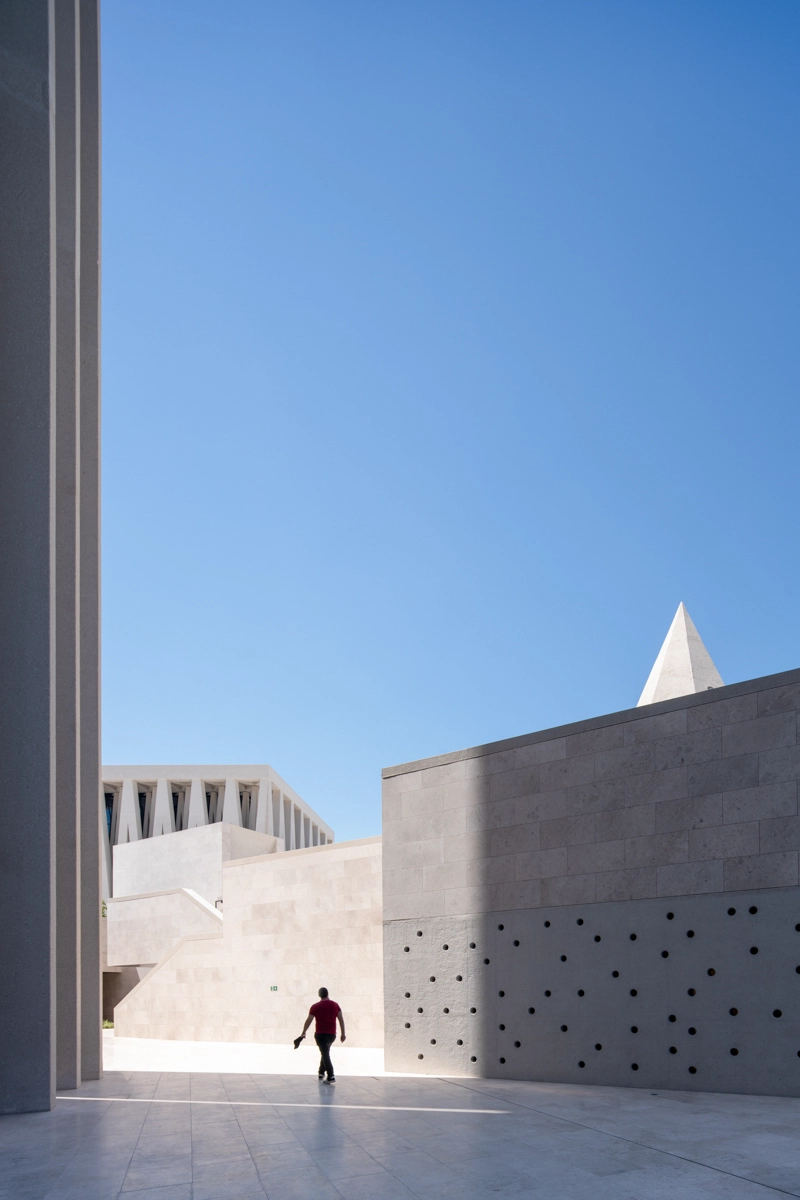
[445, 946]
[692, 1070]
[734, 1012]
[777, 1012]
[419, 933]
[615, 974]
[711, 971]
[420, 1056]
[633, 937]
[445, 1010]
[473, 1058]
[564, 1028]
[579, 921]
[547, 924]
[691, 992]
[690, 933]
[486, 962]
[670, 916]
[563, 958]
[672, 1017]
[518, 1044]
[634, 992]
[408, 1024]
[752, 909]
[597, 937]
[797, 927]
[734, 1051]
[797, 969]
[502, 1060]
[408, 995]
[472, 945]
[459, 978]
[433, 1041]
[406, 948]
[516, 941]
[460, 1042]
[501, 1026]
[501, 993]
[432, 979]
[531, 1011]
[691, 1030]
[581, 992]
[731, 912]
[501, 927]
[754, 949]
[473, 1010]
[548, 993]
[665, 953]
[634, 1066]
[581, 1064]
[634, 1028]
[419, 1010]
[673, 1049]
[597, 1046]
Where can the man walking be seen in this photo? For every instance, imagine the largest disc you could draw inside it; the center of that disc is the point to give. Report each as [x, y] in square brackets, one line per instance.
[326, 1013]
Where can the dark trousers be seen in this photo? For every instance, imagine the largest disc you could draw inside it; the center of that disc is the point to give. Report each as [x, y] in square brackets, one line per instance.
[325, 1041]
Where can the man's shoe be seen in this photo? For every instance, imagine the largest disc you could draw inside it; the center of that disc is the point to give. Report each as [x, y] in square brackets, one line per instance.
[331, 1079]
[320, 1075]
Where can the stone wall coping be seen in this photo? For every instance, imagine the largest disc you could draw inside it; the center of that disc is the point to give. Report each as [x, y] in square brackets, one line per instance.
[625, 715]
[195, 897]
[279, 858]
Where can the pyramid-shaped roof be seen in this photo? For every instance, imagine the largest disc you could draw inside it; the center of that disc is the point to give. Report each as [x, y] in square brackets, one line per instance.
[683, 665]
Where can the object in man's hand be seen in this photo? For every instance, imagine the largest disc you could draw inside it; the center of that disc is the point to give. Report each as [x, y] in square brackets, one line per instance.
[297, 1041]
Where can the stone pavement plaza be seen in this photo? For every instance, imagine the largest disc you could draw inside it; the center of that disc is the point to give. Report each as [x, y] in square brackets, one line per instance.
[201, 1135]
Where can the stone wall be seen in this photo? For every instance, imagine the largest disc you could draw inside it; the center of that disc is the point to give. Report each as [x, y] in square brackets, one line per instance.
[583, 832]
[292, 923]
[145, 929]
[191, 859]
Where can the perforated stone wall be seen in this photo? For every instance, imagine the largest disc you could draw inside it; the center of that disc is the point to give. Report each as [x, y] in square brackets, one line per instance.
[532, 882]
[695, 992]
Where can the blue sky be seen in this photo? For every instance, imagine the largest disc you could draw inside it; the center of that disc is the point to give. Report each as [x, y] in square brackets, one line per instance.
[447, 347]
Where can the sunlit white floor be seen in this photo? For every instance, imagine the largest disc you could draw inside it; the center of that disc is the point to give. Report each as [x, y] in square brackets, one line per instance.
[232, 1058]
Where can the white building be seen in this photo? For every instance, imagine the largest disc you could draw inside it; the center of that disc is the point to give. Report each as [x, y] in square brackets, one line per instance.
[147, 801]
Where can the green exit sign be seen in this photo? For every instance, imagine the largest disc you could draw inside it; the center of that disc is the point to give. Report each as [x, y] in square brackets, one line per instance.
[274, 987]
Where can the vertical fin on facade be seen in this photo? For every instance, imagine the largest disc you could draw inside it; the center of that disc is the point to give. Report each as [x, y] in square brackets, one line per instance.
[683, 665]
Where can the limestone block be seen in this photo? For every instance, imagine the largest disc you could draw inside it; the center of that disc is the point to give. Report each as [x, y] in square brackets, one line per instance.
[765, 733]
[567, 831]
[608, 737]
[540, 752]
[686, 879]
[657, 849]
[145, 929]
[700, 813]
[779, 699]
[655, 786]
[595, 797]
[754, 804]
[637, 759]
[626, 823]
[687, 748]
[727, 774]
[778, 834]
[663, 725]
[723, 712]
[567, 772]
[602, 856]
[634, 884]
[761, 871]
[572, 889]
[779, 766]
[724, 841]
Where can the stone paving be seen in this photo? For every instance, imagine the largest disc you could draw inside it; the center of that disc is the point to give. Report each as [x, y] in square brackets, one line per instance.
[203, 1136]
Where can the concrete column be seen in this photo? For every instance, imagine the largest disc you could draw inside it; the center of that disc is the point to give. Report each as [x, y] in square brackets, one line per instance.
[163, 812]
[198, 814]
[264, 819]
[280, 828]
[130, 818]
[27, 368]
[67, 647]
[231, 808]
[90, 790]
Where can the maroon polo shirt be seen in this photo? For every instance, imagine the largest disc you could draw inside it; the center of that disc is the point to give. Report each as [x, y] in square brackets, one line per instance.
[325, 1013]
